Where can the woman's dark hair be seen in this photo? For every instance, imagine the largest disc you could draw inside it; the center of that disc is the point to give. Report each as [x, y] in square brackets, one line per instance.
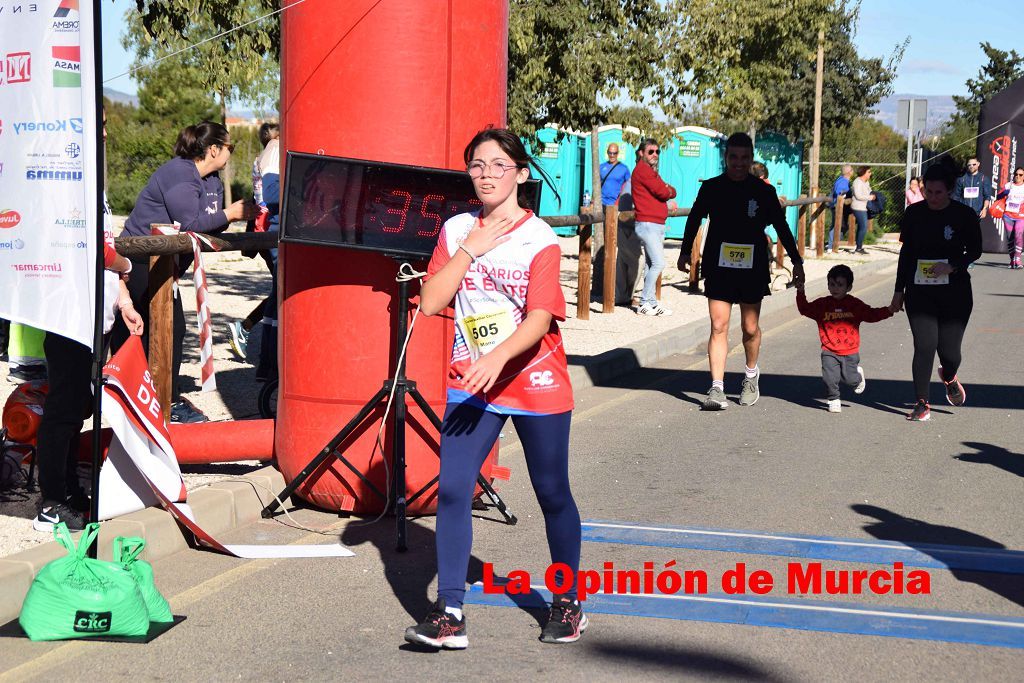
[843, 271]
[861, 170]
[941, 173]
[741, 140]
[268, 131]
[193, 141]
[508, 141]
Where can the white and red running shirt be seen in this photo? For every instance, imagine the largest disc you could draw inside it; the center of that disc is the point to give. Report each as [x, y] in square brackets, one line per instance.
[1014, 200]
[497, 292]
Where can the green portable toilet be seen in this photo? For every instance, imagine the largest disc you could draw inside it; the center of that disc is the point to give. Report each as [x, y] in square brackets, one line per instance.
[785, 170]
[693, 155]
[563, 163]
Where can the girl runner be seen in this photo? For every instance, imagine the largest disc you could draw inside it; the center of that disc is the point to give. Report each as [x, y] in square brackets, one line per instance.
[941, 238]
[1013, 217]
[500, 265]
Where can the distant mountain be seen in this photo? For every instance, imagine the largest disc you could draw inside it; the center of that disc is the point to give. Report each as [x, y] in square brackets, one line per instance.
[940, 110]
[120, 97]
[133, 101]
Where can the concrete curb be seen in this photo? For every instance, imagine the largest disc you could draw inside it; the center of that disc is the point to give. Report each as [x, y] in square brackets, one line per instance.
[604, 367]
[218, 508]
[226, 505]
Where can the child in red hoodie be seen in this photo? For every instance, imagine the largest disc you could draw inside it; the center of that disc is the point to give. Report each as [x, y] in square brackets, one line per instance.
[839, 316]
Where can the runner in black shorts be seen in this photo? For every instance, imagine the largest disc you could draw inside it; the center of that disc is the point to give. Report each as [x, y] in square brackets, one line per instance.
[735, 260]
[941, 238]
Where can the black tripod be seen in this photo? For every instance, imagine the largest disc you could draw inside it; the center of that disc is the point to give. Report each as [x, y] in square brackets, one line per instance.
[401, 386]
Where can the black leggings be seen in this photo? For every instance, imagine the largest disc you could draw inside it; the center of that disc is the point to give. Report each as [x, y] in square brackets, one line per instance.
[937, 321]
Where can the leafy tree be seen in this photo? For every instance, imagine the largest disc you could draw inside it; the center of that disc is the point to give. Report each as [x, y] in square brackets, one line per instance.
[570, 60]
[1002, 69]
[219, 43]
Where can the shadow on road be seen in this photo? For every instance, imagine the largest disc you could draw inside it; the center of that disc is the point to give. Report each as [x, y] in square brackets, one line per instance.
[679, 661]
[886, 395]
[918, 534]
[997, 456]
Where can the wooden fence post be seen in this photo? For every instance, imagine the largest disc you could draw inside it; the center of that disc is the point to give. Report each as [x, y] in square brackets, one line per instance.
[161, 328]
[611, 246]
[583, 271]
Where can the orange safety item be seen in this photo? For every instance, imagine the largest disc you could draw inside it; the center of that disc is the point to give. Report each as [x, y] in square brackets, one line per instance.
[206, 443]
[406, 82]
[23, 411]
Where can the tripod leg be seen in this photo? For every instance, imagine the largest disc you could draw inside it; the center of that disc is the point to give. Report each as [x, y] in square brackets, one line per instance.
[326, 453]
[484, 484]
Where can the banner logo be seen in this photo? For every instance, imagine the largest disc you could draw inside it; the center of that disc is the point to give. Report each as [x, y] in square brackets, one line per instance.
[54, 126]
[73, 150]
[9, 218]
[67, 66]
[65, 8]
[50, 174]
[13, 244]
[16, 67]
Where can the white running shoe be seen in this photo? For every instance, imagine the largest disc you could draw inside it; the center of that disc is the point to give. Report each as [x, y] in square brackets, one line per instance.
[656, 309]
[835, 406]
[859, 389]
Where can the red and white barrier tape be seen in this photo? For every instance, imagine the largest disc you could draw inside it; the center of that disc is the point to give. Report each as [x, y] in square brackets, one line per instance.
[209, 378]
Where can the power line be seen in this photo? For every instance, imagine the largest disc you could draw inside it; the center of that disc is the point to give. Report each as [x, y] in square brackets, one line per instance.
[201, 42]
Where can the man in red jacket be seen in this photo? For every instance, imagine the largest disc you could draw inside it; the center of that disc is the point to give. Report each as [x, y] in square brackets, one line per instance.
[650, 194]
[839, 316]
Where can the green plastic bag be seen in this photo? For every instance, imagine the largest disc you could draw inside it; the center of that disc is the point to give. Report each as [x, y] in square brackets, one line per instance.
[126, 553]
[79, 597]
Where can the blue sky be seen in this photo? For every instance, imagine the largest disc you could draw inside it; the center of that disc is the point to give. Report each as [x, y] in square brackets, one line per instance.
[943, 51]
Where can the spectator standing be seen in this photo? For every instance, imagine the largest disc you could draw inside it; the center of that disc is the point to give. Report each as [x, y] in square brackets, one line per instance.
[1013, 217]
[862, 194]
[614, 175]
[914, 193]
[650, 197]
[840, 187]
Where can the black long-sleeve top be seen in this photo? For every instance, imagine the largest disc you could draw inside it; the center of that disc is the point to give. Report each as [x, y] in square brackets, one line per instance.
[739, 211]
[952, 233]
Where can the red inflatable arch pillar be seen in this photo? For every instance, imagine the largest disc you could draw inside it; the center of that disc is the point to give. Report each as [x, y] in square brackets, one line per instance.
[403, 81]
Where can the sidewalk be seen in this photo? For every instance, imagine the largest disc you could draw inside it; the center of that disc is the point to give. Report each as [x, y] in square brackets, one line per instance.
[599, 349]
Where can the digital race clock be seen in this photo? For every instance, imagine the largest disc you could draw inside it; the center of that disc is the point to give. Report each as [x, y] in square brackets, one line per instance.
[388, 208]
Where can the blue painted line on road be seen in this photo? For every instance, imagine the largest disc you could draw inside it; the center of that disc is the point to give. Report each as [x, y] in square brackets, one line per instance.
[804, 615]
[811, 547]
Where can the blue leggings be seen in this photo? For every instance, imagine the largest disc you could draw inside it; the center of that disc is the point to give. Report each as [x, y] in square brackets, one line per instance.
[467, 435]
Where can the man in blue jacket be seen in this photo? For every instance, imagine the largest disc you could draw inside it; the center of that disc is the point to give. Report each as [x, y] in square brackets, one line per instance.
[840, 187]
[974, 189]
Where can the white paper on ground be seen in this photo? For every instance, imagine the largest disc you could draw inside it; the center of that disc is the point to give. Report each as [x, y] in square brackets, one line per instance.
[253, 552]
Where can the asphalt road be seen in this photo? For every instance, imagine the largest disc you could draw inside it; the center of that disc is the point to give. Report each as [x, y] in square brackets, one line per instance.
[643, 453]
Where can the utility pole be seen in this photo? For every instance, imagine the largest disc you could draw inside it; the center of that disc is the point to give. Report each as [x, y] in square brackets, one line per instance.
[910, 143]
[819, 80]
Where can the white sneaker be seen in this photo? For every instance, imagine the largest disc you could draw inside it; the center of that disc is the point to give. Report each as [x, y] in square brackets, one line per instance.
[859, 389]
[656, 309]
[835, 406]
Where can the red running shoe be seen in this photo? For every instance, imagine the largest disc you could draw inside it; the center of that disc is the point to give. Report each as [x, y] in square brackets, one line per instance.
[955, 392]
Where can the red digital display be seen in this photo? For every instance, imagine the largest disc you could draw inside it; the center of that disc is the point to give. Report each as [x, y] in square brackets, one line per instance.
[389, 208]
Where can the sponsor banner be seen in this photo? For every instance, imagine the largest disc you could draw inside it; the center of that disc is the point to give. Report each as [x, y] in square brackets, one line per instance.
[141, 469]
[48, 206]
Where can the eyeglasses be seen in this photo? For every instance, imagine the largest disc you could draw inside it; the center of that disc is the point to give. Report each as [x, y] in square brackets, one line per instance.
[654, 151]
[1017, 175]
[229, 147]
[973, 164]
[497, 170]
[613, 154]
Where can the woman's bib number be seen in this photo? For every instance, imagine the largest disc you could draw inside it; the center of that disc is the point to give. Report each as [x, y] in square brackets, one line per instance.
[926, 276]
[484, 331]
[736, 256]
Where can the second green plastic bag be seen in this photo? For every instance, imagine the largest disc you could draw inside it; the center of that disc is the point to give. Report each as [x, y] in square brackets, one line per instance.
[126, 553]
